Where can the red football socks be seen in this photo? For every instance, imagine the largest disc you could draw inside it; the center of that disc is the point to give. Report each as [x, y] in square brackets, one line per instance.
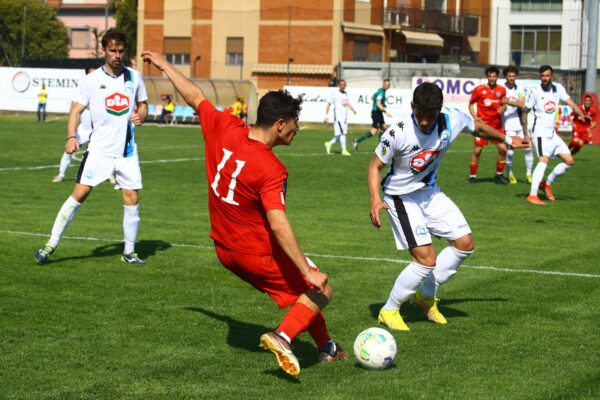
[318, 330]
[474, 167]
[500, 166]
[297, 320]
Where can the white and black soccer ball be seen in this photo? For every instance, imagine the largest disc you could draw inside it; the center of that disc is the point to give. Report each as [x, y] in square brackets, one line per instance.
[375, 348]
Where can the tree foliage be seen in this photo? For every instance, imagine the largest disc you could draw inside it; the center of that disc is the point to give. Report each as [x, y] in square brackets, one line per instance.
[29, 30]
[126, 16]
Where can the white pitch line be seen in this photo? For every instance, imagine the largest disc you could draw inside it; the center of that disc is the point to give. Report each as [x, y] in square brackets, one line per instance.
[356, 258]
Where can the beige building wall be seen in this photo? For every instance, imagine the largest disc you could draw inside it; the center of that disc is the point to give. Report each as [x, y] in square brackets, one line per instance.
[234, 18]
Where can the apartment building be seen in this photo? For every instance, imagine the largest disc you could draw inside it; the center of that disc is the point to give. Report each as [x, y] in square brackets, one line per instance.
[279, 42]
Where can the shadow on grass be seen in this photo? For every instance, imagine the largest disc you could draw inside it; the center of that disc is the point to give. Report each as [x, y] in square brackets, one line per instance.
[412, 313]
[246, 336]
[144, 249]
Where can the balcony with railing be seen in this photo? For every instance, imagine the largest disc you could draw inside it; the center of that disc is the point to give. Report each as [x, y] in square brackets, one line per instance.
[431, 21]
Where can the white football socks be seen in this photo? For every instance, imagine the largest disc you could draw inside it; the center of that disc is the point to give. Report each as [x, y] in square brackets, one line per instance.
[65, 161]
[528, 161]
[509, 156]
[131, 222]
[446, 265]
[406, 285]
[343, 142]
[536, 179]
[63, 219]
[559, 170]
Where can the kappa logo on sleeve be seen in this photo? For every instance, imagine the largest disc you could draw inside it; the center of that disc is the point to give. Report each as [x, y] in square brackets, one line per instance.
[419, 162]
[117, 104]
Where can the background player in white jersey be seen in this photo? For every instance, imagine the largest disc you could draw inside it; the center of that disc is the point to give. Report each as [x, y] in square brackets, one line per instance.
[111, 94]
[340, 101]
[415, 203]
[82, 136]
[511, 120]
[544, 100]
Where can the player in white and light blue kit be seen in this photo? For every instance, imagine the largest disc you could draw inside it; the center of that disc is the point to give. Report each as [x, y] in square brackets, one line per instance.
[82, 136]
[415, 203]
[340, 101]
[112, 94]
[511, 120]
[544, 100]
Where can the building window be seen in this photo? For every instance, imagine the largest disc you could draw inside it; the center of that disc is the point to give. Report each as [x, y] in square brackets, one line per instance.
[536, 5]
[177, 50]
[435, 5]
[178, 58]
[535, 45]
[234, 51]
[80, 38]
[361, 49]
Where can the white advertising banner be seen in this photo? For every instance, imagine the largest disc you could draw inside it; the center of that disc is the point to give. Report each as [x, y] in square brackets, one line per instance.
[19, 88]
[457, 91]
[315, 102]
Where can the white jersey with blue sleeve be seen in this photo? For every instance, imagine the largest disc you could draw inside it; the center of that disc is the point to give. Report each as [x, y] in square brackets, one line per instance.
[111, 101]
[415, 155]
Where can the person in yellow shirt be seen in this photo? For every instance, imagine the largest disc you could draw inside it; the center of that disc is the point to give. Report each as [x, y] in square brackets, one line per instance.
[42, 100]
[237, 109]
[167, 110]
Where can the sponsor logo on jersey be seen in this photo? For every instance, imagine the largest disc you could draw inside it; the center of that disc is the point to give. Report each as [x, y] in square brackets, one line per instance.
[550, 107]
[117, 104]
[487, 102]
[129, 87]
[498, 94]
[383, 150]
[419, 162]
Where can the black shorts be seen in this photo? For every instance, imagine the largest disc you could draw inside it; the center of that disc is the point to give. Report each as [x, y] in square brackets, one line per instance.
[377, 117]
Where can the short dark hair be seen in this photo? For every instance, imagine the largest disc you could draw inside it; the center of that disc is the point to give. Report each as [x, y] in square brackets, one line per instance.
[588, 96]
[115, 34]
[510, 68]
[428, 97]
[277, 104]
[492, 70]
[386, 80]
[545, 68]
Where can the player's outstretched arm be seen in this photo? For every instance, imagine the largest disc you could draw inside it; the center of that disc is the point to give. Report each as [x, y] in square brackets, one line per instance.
[576, 108]
[373, 179]
[190, 92]
[485, 131]
[284, 234]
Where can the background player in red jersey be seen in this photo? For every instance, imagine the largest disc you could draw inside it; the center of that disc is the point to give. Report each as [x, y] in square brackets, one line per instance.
[490, 108]
[582, 129]
[246, 200]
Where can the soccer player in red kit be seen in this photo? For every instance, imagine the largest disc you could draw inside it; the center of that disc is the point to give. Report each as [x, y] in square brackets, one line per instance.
[582, 129]
[246, 199]
[490, 108]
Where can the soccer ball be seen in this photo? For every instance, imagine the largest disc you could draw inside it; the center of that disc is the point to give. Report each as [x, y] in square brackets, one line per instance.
[375, 348]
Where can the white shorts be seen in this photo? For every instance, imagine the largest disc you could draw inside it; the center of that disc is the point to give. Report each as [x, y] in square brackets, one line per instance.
[340, 128]
[418, 215]
[515, 133]
[96, 168]
[550, 147]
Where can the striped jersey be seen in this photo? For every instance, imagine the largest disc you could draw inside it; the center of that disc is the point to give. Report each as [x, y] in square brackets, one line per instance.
[111, 101]
[544, 105]
[415, 155]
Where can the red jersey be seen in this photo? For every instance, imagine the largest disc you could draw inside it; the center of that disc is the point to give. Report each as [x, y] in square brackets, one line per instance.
[489, 102]
[245, 180]
[583, 126]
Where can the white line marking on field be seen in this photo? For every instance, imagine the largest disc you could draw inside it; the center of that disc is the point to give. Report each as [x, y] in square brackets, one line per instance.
[173, 160]
[356, 258]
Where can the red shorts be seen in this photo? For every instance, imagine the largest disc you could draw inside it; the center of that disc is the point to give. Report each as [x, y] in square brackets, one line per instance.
[274, 274]
[580, 135]
[484, 142]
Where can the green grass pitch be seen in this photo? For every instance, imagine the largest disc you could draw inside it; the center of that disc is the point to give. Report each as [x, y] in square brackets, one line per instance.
[523, 311]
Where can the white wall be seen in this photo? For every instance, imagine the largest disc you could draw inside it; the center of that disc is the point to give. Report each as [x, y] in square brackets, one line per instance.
[573, 32]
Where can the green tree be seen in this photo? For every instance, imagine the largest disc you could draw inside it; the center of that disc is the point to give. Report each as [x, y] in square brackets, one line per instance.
[126, 16]
[29, 30]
